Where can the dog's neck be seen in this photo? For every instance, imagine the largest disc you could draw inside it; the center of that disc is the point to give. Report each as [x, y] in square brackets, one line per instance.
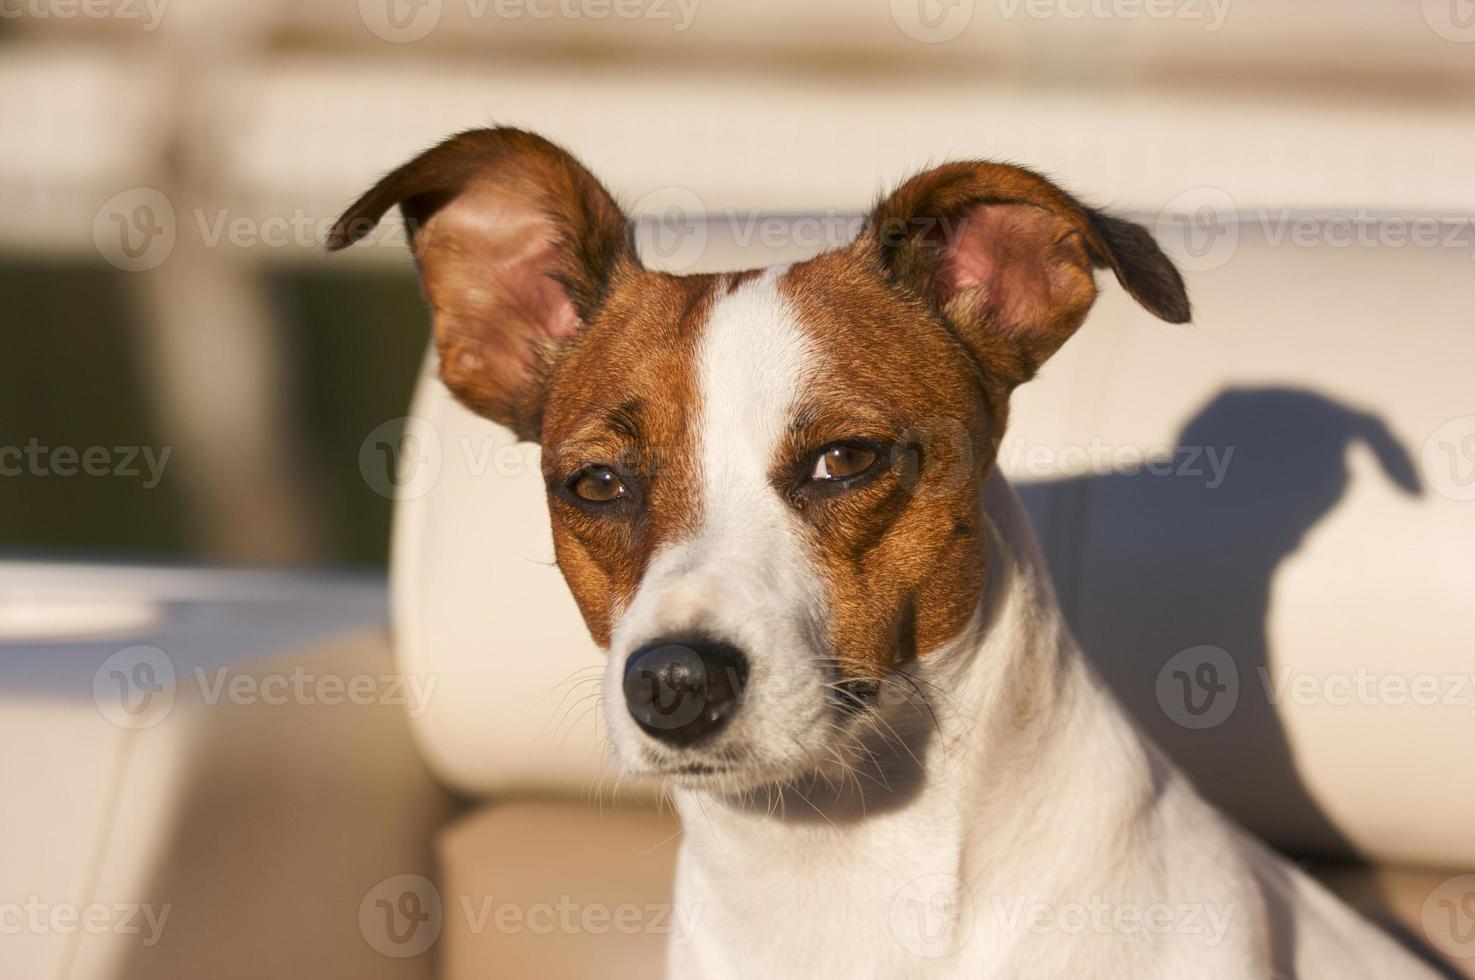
[983, 783]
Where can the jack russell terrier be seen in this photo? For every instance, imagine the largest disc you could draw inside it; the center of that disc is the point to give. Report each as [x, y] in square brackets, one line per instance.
[773, 497]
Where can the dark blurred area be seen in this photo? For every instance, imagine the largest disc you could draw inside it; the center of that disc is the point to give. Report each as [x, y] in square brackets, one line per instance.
[351, 344]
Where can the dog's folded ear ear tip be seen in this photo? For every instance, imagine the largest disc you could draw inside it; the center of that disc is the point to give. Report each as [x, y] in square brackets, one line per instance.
[337, 240]
[1162, 292]
[345, 231]
[1178, 315]
[352, 225]
[1170, 301]
[340, 236]
[1142, 267]
[1180, 308]
[1170, 305]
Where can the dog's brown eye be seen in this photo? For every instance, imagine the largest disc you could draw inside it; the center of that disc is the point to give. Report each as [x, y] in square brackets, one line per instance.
[598, 485]
[838, 462]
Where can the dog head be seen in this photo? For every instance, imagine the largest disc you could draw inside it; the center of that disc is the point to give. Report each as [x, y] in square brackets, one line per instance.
[765, 487]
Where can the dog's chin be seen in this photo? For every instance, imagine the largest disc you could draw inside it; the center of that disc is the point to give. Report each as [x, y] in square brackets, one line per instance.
[698, 777]
[720, 777]
[747, 770]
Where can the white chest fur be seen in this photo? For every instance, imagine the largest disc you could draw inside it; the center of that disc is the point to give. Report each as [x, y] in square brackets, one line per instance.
[1044, 838]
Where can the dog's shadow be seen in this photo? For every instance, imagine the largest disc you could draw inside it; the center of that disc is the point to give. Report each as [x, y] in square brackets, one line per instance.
[1183, 557]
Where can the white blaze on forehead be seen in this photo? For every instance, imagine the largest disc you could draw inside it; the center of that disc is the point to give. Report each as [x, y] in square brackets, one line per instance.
[751, 363]
[743, 573]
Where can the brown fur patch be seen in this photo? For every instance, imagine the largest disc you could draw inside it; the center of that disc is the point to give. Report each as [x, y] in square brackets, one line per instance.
[622, 395]
[902, 557]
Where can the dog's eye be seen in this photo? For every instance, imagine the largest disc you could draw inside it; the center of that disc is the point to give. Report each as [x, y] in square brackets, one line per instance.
[598, 485]
[841, 461]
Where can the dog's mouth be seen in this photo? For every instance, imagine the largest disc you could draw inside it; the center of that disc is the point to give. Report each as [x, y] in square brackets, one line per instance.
[736, 767]
[734, 780]
[854, 735]
[852, 696]
[710, 776]
[697, 769]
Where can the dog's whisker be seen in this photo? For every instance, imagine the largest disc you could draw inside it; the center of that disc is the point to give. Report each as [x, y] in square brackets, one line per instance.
[571, 719]
[585, 708]
[573, 687]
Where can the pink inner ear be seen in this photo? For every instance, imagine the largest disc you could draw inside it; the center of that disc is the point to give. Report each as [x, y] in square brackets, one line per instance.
[489, 269]
[489, 262]
[522, 265]
[1010, 253]
[515, 255]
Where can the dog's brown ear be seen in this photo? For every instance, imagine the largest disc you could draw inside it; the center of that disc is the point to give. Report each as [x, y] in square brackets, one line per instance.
[517, 246]
[1005, 257]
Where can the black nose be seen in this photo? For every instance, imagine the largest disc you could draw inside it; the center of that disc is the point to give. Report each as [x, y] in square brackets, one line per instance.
[684, 691]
